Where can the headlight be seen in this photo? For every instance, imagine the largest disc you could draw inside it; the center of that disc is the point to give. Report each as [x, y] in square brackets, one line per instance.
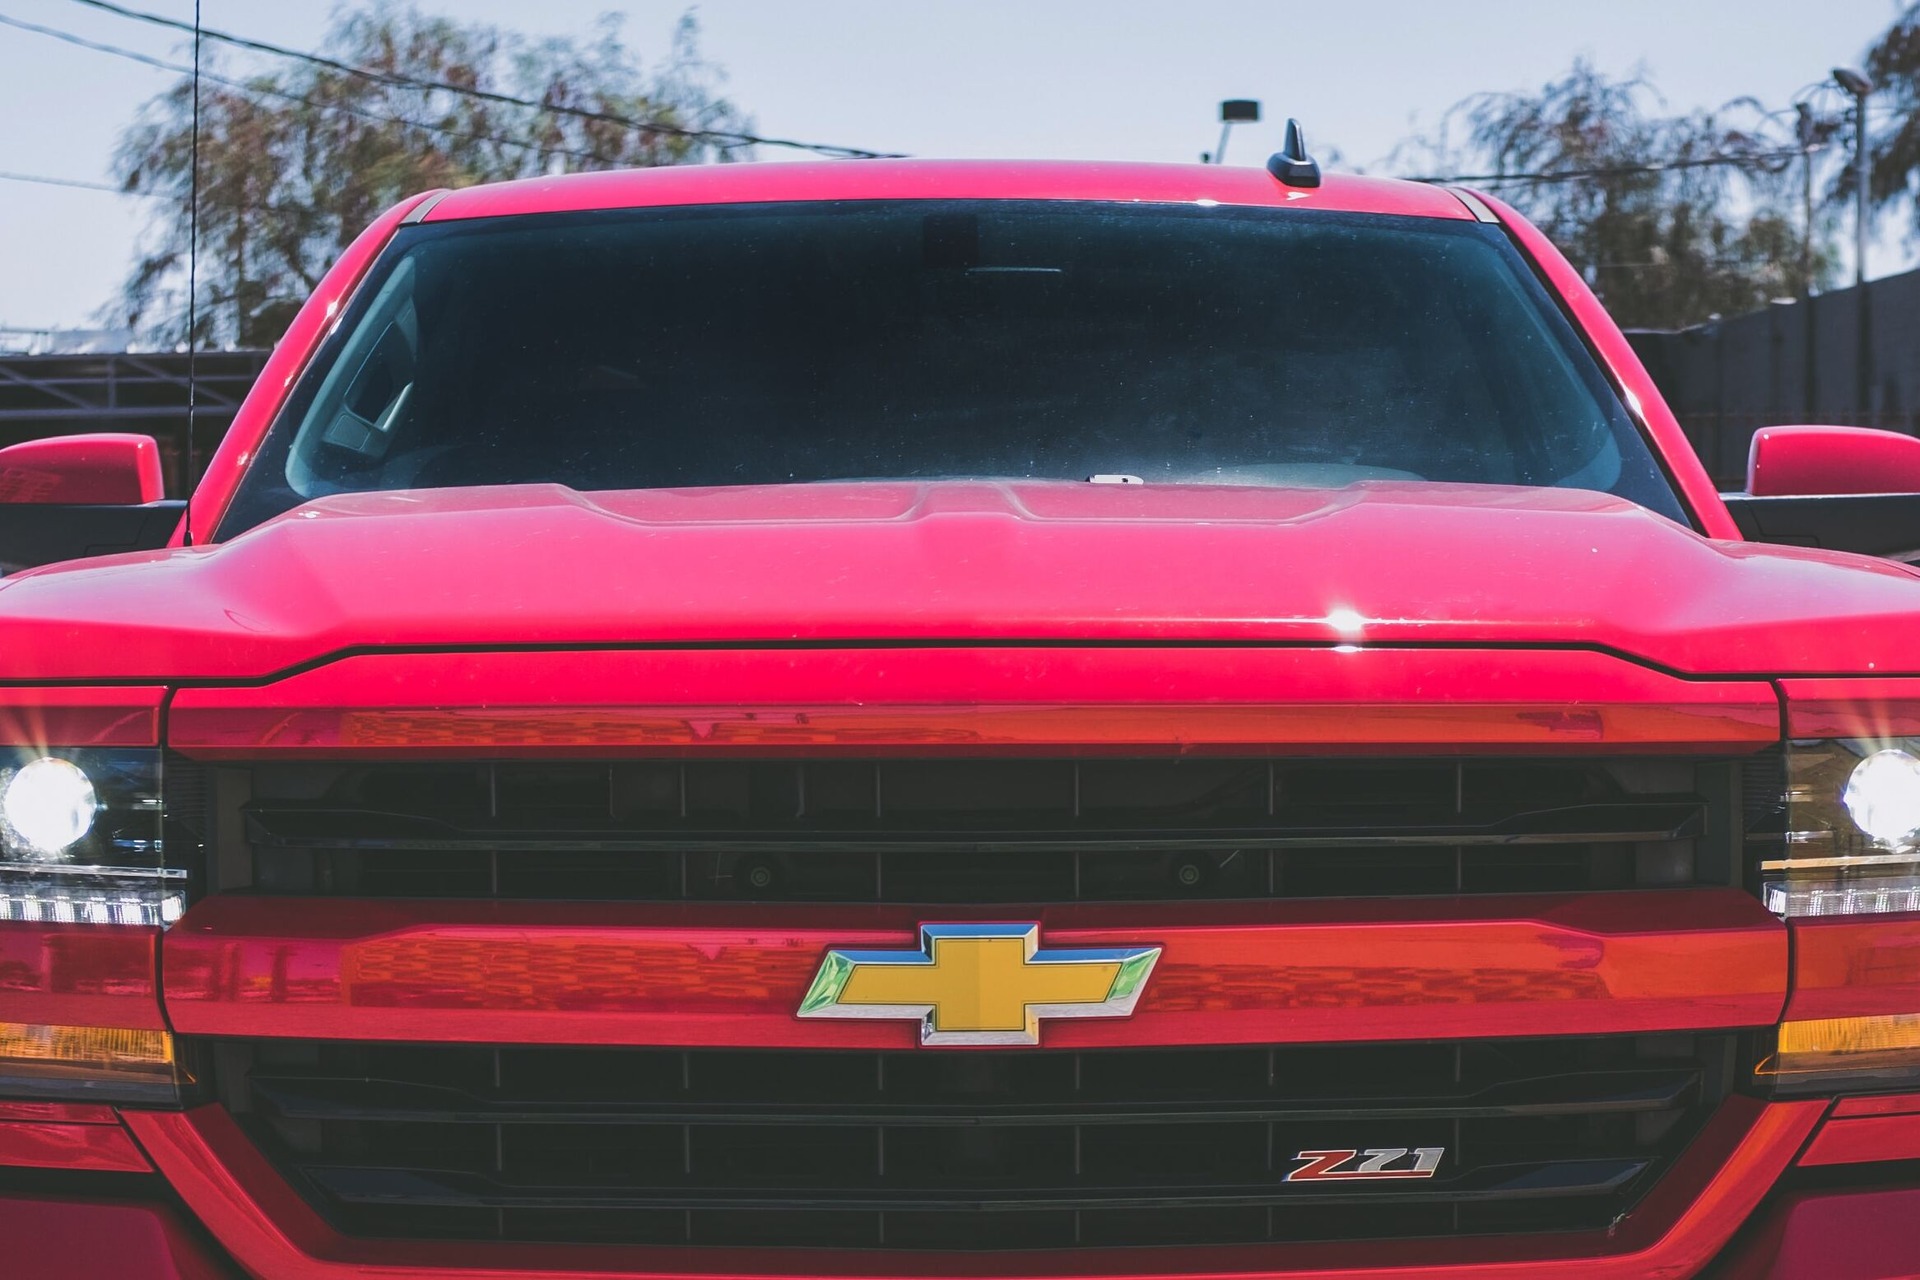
[82, 840]
[85, 842]
[1882, 797]
[1846, 849]
[1852, 839]
[48, 805]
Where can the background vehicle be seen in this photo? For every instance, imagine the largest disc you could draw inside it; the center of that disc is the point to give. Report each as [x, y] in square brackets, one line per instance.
[438, 867]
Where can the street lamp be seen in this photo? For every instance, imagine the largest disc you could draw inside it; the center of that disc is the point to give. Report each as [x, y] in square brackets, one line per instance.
[1232, 112]
[1860, 87]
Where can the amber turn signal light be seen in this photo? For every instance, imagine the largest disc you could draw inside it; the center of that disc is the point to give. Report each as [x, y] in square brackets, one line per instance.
[1816, 1049]
[128, 1064]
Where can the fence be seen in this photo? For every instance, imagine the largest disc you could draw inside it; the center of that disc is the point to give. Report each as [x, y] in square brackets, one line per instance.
[1793, 362]
[144, 392]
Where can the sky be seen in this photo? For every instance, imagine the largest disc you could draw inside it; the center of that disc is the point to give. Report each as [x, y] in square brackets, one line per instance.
[1094, 79]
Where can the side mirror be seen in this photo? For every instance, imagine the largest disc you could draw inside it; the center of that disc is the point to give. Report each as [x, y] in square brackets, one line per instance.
[95, 470]
[1842, 488]
[1805, 462]
[71, 497]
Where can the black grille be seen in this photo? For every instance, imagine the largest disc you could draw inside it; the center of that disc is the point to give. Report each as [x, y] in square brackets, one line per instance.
[969, 1149]
[986, 831]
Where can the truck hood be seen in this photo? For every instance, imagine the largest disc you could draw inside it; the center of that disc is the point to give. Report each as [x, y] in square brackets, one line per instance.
[1373, 563]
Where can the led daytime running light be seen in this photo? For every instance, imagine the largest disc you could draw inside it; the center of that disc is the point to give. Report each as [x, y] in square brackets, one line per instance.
[56, 904]
[1875, 895]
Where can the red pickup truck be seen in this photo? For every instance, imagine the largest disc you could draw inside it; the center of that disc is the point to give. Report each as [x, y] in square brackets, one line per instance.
[959, 720]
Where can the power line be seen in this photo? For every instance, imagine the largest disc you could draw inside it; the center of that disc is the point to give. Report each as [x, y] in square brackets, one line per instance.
[259, 90]
[81, 184]
[397, 80]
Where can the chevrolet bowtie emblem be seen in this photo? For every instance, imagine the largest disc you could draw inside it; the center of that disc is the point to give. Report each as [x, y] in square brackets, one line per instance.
[980, 983]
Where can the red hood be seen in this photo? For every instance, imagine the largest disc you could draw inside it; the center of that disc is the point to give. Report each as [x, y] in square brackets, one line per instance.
[1374, 563]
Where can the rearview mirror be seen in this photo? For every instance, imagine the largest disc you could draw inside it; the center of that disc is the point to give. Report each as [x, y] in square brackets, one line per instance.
[70, 497]
[1842, 488]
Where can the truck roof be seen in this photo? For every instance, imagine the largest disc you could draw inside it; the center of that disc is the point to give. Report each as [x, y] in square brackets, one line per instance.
[940, 180]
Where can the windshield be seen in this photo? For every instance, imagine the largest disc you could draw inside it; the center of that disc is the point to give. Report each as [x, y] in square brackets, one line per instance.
[796, 343]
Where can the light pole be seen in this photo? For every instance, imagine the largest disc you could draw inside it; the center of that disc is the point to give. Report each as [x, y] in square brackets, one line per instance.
[1860, 87]
[1806, 131]
[1232, 112]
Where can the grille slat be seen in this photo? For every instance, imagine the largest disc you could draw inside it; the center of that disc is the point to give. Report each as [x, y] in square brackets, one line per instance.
[918, 1149]
[388, 1101]
[970, 831]
[428, 1188]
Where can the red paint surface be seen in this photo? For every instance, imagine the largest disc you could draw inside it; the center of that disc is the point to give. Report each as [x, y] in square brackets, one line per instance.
[1376, 564]
[1830, 1235]
[59, 1112]
[98, 1148]
[1855, 966]
[1788, 461]
[723, 975]
[105, 468]
[940, 180]
[1863, 1140]
[71, 717]
[79, 975]
[1620, 360]
[1682, 1222]
[691, 701]
[1873, 708]
[44, 1238]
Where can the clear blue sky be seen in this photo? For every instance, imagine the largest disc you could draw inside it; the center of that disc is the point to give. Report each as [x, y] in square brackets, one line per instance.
[1063, 78]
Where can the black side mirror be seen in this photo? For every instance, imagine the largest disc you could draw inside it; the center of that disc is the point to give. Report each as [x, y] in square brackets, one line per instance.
[70, 497]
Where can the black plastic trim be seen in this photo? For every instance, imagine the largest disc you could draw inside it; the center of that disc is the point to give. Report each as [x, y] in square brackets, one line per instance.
[33, 534]
[1874, 524]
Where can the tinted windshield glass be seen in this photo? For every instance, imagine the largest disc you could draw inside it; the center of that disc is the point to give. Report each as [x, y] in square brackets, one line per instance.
[777, 344]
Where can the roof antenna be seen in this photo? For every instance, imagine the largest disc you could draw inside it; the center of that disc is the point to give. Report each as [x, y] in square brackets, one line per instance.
[193, 276]
[1291, 163]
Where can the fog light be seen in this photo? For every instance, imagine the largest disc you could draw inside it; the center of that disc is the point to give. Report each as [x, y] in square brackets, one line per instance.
[48, 805]
[1883, 796]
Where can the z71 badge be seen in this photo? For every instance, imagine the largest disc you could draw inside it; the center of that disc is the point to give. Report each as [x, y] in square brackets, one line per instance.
[1374, 1163]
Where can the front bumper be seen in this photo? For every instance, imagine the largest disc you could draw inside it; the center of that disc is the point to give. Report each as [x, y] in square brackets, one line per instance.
[1854, 1234]
[47, 1238]
[1839, 1235]
[1717, 1188]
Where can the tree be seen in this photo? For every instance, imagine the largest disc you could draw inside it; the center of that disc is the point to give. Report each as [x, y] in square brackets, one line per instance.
[294, 161]
[1672, 218]
[1893, 63]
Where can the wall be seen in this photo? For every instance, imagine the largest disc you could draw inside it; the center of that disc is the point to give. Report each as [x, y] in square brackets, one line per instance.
[1727, 378]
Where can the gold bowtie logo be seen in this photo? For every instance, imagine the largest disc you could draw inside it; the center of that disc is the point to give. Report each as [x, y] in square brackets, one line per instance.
[980, 983]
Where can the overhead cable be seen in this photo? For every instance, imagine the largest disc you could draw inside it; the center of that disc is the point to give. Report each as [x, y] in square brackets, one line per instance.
[395, 79]
[257, 89]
